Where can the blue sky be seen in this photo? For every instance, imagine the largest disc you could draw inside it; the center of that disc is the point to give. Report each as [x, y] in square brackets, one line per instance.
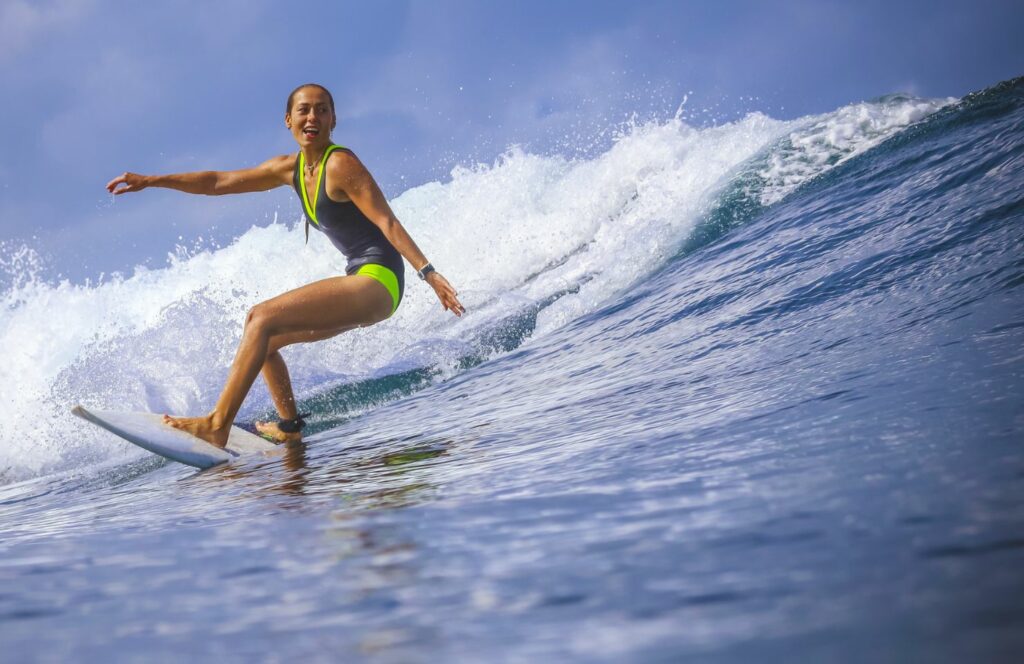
[93, 88]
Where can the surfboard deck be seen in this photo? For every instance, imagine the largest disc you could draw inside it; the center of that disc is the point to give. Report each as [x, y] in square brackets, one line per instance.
[148, 431]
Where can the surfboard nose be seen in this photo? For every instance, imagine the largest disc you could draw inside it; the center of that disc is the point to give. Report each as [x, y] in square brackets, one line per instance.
[148, 431]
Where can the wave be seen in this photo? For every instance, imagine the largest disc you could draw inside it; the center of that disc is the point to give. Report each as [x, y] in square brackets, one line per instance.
[533, 242]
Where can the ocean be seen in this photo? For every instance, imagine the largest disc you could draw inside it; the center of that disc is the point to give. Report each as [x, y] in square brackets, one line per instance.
[745, 392]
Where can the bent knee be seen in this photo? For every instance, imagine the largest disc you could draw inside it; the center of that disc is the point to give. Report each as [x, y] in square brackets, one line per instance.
[259, 319]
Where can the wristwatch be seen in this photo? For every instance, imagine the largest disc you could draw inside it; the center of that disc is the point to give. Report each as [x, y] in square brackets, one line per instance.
[424, 271]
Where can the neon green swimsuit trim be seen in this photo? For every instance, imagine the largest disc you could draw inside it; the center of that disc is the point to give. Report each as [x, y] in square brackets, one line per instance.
[384, 276]
[311, 211]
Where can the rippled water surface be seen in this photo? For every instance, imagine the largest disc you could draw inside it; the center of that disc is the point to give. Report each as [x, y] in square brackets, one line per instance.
[776, 415]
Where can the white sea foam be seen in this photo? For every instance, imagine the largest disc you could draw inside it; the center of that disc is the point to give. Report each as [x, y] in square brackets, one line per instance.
[819, 143]
[511, 234]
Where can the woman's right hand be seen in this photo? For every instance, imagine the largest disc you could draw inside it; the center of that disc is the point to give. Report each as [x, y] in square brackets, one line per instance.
[131, 182]
[449, 298]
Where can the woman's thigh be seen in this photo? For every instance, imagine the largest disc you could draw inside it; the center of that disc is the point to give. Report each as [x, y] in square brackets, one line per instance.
[322, 309]
[279, 341]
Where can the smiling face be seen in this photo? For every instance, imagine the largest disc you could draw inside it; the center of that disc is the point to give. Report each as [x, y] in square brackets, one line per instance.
[311, 117]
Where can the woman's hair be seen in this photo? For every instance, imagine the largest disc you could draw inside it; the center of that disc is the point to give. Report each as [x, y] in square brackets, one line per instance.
[291, 97]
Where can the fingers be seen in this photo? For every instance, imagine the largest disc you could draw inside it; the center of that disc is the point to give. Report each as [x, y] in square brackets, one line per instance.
[455, 306]
[451, 302]
[120, 179]
[447, 294]
[131, 182]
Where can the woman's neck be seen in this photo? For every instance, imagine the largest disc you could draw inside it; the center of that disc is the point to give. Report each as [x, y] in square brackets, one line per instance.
[314, 153]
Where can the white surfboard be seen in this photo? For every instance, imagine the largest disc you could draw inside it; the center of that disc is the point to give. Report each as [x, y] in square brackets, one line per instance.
[148, 431]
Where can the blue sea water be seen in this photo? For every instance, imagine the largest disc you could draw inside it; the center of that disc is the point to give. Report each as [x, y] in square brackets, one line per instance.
[741, 393]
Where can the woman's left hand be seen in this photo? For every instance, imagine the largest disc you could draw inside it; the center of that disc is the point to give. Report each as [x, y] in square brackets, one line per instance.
[445, 293]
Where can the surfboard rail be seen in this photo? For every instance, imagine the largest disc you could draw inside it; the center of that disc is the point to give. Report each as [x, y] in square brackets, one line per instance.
[148, 431]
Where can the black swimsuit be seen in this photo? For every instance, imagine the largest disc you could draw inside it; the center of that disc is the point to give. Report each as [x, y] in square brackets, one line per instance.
[363, 243]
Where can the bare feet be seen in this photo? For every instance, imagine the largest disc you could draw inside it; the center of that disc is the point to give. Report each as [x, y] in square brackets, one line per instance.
[201, 427]
[273, 432]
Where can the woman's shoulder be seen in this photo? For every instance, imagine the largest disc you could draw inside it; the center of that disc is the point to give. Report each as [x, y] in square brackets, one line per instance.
[344, 162]
[343, 155]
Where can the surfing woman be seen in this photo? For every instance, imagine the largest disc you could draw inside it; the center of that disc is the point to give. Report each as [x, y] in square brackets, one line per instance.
[340, 198]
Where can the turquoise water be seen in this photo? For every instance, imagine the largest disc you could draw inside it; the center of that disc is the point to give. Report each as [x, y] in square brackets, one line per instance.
[757, 398]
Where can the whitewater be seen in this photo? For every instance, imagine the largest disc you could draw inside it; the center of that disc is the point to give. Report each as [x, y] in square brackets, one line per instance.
[746, 390]
[533, 233]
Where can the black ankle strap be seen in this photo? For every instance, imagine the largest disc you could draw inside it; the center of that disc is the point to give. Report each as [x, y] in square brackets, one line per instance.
[293, 425]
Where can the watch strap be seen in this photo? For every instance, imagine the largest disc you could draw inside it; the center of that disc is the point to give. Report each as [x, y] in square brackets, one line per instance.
[424, 271]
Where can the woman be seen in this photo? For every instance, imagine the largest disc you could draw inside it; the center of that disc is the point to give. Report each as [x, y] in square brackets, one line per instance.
[339, 197]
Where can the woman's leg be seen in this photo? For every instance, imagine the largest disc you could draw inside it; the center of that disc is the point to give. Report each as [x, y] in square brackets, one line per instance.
[275, 372]
[279, 384]
[330, 305]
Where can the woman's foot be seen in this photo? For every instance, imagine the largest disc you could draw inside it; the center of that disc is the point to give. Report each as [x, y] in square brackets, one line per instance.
[271, 431]
[201, 427]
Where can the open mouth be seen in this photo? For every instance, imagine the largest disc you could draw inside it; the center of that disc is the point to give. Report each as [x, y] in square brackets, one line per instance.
[310, 132]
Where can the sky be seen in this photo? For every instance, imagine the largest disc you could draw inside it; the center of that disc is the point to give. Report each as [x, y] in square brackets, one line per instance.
[93, 88]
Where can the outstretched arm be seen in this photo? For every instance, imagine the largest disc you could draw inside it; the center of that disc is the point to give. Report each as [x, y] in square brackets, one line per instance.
[271, 173]
[348, 174]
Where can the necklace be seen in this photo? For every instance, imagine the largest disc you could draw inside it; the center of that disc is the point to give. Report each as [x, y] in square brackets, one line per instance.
[312, 165]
